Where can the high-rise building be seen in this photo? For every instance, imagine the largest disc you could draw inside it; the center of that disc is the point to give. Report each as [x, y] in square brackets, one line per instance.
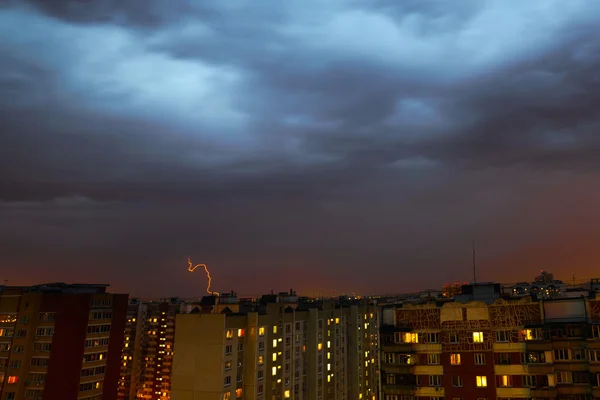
[281, 348]
[60, 341]
[500, 349]
[148, 350]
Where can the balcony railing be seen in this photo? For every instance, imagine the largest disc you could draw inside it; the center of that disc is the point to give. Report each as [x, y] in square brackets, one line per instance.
[546, 392]
[397, 347]
[34, 383]
[399, 389]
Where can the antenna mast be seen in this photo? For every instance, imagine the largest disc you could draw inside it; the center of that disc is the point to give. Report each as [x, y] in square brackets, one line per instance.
[474, 274]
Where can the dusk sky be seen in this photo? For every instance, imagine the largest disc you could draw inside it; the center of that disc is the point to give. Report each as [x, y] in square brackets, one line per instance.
[355, 146]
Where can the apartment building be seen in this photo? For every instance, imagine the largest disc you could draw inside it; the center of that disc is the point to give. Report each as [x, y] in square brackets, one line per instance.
[60, 341]
[148, 350]
[503, 349]
[281, 348]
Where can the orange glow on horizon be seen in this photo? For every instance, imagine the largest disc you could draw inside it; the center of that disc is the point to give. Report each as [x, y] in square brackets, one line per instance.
[192, 268]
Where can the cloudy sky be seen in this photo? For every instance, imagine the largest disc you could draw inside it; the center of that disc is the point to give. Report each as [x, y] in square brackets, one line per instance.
[347, 145]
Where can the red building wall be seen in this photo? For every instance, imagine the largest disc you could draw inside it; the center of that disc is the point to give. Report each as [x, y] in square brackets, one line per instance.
[468, 370]
[66, 356]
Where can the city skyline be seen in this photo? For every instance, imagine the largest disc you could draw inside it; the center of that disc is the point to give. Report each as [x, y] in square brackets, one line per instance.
[577, 283]
[340, 146]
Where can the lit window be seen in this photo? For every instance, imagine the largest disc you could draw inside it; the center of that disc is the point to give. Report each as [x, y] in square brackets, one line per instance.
[481, 381]
[240, 333]
[527, 334]
[505, 381]
[286, 394]
[260, 360]
[274, 357]
[274, 342]
[229, 334]
[13, 379]
[477, 337]
[261, 331]
[274, 328]
[455, 359]
[238, 393]
[320, 346]
[337, 320]
[411, 338]
[154, 320]
[274, 371]
[328, 344]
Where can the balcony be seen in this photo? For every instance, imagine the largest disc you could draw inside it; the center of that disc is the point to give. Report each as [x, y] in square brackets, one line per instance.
[574, 389]
[540, 368]
[510, 369]
[34, 384]
[397, 368]
[538, 345]
[510, 392]
[397, 348]
[400, 390]
[547, 392]
[572, 365]
[592, 343]
[429, 391]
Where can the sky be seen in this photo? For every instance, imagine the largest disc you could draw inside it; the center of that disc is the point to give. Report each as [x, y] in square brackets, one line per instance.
[348, 146]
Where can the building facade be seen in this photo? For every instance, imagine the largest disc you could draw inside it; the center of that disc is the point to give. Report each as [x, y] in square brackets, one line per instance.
[283, 349]
[148, 350]
[509, 349]
[60, 341]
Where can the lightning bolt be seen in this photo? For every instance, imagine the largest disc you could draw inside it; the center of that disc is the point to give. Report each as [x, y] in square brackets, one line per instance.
[192, 268]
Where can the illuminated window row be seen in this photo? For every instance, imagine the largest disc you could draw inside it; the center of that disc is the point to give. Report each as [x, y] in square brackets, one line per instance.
[86, 387]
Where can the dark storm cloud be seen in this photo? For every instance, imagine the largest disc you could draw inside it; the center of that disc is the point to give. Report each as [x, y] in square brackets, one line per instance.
[300, 135]
[149, 14]
[541, 113]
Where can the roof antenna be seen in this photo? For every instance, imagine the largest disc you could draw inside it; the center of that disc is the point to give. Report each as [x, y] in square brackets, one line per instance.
[474, 275]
